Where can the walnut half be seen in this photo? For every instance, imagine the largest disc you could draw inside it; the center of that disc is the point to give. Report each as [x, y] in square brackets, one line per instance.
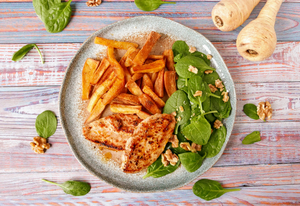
[169, 157]
[39, 145]
[91, 3]
[264, 110]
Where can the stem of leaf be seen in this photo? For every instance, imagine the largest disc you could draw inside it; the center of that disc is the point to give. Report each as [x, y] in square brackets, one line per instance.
[213, 95]
[200, 106]
[211, 112]
[39, 53]
[186, 82]
[232, 190]
[168, 2]
[51, 182]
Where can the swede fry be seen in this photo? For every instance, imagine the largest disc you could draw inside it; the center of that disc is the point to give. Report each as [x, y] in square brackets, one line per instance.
[159, 84]
[149, 104]
[125, 109]
[143, 115]
[115, 44]
[169, 59]
[159, 102]
[149, 68]
[89, 67]
[134, 88]
[96, 112]
[99, 71]
[170, 82]
[147, 82]
[124, 98]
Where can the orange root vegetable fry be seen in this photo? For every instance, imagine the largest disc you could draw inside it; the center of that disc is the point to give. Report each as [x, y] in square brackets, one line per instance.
[134, 88]
[100, 71]
[169, 59]
[119, 71]
[102, 89]
[89, 67]
[123, 59]
[115, 44]
[257, 41]
[127, 74]
[104, 77]
[136, 76]
[148, 61]
[114, 91]
[125, 109]
[146, 49]
[155, 57]
[149, 104]
[159, 102]
[143, 115]
[228, 15]
[147, 82]
[170, 82]
[130, 58]
[139, 82]
[153, 76]
[159, 84]
[150, 68]
[96, 112]
[124, 98]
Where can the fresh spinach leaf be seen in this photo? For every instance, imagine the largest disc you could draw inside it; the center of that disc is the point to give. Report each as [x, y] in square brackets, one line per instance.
[157, 169]
[191, 161]
[177, 57]
[182, 84]
[211, 78]
[177, 99]
[183, 64]
[45, 124]
[198, 131]
[210, 189]
[42, 7]
[72, 187]
[58, 17]
[150, 5]
[215, 142]
[206, 107]
[195, 84]
[18, 55]
[252, 137]
[180, 48]
[223, 108]
[251, 111]
[202, 56]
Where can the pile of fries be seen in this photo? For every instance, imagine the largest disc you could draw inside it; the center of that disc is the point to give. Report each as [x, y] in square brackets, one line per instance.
[134, 85]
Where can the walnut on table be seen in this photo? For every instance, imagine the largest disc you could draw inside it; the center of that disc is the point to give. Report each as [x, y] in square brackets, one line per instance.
[39, 145]
[91, 3]
[264, 110]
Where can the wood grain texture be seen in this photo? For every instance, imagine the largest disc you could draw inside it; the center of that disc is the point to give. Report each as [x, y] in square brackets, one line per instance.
[282, 66]
[4, 1]
[21, 25]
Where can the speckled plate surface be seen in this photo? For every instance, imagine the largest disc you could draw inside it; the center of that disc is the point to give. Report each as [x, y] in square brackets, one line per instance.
[70, 105]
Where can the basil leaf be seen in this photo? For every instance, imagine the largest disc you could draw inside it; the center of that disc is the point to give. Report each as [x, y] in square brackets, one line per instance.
[18, 55]
[41, 7]
[215, 142]
[180, 48]
[72, 187]
[252, 137]
[210, 189]
[58, 17]
[198, 131]
[251, 111]
[223, 108]
[182, 84]
[157, 169]
[150, 5]
[183, 64]
[45, 124]
[211, 78]
[191, 161]
[177, 99]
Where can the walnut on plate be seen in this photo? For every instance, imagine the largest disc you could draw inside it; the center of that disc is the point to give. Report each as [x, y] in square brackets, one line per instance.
[39, 145]
[169, 157]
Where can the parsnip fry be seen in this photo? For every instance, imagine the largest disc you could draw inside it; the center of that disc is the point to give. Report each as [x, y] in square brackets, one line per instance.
[118, 69]
[150, 68]
[114, 91]
[89, 67]
[145, 51]
[125, 109]
[169, 59]
[160, 103]
[124, 98]
[134, 88]
[96, 112]
[159, 84]
[123, 59]
[143, 115]
[147, 82]
[155, 57]
[153, 76]
[100, 71]
[104, 77]
[149, 104]
[130, 58]
[102, 89]
[170, 82]
[136, 76]
[115, 44]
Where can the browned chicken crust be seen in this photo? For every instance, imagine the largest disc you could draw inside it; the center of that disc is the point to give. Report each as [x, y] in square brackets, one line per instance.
[112, 131]
[148, 142]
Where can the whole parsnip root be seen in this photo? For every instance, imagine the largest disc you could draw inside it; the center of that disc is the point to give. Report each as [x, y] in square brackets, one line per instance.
[228, 15]
[257, 41]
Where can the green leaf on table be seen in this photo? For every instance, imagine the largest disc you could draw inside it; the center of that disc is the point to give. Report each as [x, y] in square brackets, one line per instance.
[210, 189]
[42, 7]
[18, 55]
[191, 161]
[251, 111]
[215, 142]
[157, 169]
[150, 5]
[45, 124]
[252, 138]
[75, 188]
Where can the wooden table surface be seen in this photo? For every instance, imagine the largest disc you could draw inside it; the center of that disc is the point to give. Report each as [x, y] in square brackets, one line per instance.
[268, 172]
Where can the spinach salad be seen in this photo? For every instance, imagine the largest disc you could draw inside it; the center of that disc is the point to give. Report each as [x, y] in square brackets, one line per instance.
[197, 108]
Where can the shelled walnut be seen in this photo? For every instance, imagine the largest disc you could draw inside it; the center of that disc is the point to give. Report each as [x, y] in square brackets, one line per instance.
[39, 145]
[264, 110]
[91, 3]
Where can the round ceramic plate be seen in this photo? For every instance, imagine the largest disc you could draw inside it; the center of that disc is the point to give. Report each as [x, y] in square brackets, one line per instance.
[70, 104]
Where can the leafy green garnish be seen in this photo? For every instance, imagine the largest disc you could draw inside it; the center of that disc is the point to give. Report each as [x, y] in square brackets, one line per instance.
[157, 169]
[215, 143]
[201, 55]
[191, 161]
[251, 111]
[211, 78]
[182, 84]
[150, 5]
[223, 108]
[180, 48]
[45, 124]
[72, 187]
[177, 99]
[42, 7]
[252, 137]
[210, 189]
[18, 55]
